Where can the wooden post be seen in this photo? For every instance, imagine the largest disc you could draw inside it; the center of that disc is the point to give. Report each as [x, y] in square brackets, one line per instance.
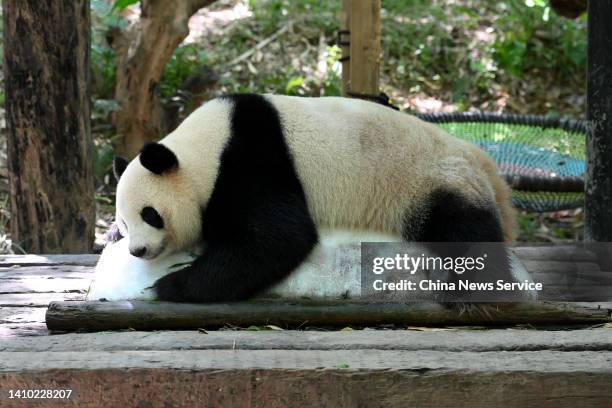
[46, 78]
[344, 36]
[365, 46]
[598, 189]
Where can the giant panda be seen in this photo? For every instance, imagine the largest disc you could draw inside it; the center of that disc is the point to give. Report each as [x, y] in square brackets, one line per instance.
[249, 180]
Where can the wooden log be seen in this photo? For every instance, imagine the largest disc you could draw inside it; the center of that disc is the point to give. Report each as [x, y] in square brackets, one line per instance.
[365, 46]
[598, 191]
[141, 315]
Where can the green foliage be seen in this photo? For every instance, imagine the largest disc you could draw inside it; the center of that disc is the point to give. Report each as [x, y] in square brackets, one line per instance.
[102, 61]
[271, 13]
[285, 66]
[123, 4]
[103, 155]
[182, 64]
[473, 47]
[465, 52]
[102, 57]
[294, 83]
[532, 38]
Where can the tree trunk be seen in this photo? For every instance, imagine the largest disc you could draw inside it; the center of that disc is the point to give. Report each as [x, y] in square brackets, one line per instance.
[46, 71]
[598, 185]
[142, 53]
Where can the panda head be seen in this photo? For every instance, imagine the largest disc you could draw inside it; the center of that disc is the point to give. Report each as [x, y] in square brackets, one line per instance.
[156, 206]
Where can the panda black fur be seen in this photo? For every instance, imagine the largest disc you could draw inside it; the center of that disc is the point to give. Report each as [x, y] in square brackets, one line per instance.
[250, 179]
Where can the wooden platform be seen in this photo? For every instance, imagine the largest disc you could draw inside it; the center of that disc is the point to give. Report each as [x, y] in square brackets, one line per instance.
[399, 368]
[566, 365]
[29, 283]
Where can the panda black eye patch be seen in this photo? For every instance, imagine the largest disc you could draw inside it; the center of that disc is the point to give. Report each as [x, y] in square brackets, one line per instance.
[152, 217]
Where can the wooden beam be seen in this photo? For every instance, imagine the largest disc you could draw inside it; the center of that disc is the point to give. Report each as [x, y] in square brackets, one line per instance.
[365, 46]
[414, 339]
[313, 378]
[141, 315]
[598, 191]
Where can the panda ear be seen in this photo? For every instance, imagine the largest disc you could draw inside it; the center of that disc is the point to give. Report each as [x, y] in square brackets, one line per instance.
[157, 158]
[119, 165]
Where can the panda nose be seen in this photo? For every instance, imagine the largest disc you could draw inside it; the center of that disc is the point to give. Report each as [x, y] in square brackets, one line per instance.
[138, 252]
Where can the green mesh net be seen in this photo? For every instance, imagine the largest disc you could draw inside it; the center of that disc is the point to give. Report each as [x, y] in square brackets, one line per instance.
[542, 158]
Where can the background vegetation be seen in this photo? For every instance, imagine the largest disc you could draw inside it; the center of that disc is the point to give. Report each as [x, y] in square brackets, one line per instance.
[473, 54]
[440, 55]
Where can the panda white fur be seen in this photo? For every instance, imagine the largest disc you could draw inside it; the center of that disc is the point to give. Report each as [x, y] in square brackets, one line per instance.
[331, 270]
[249, 180]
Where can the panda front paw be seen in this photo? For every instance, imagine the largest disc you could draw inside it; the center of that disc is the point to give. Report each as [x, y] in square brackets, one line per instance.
[171, 287]
[113, 234]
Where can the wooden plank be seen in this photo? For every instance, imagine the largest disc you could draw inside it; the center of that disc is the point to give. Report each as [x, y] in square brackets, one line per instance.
[22, 315]
[40, 260]
[32, 263]
[43, 285]
[22, 321]
[489, 361]
[140, 315]
[281, 378]
[598, 182]
[47, 272]
[563, 267]
[20, 330]
[561, 253]
[365, 46]
[37, 299]
[408, 340]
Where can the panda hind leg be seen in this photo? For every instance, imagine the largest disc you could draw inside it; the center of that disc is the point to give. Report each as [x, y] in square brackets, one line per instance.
[450, 217]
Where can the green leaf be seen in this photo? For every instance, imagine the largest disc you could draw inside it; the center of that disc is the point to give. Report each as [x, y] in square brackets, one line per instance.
[122, 4]
[294, 83]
